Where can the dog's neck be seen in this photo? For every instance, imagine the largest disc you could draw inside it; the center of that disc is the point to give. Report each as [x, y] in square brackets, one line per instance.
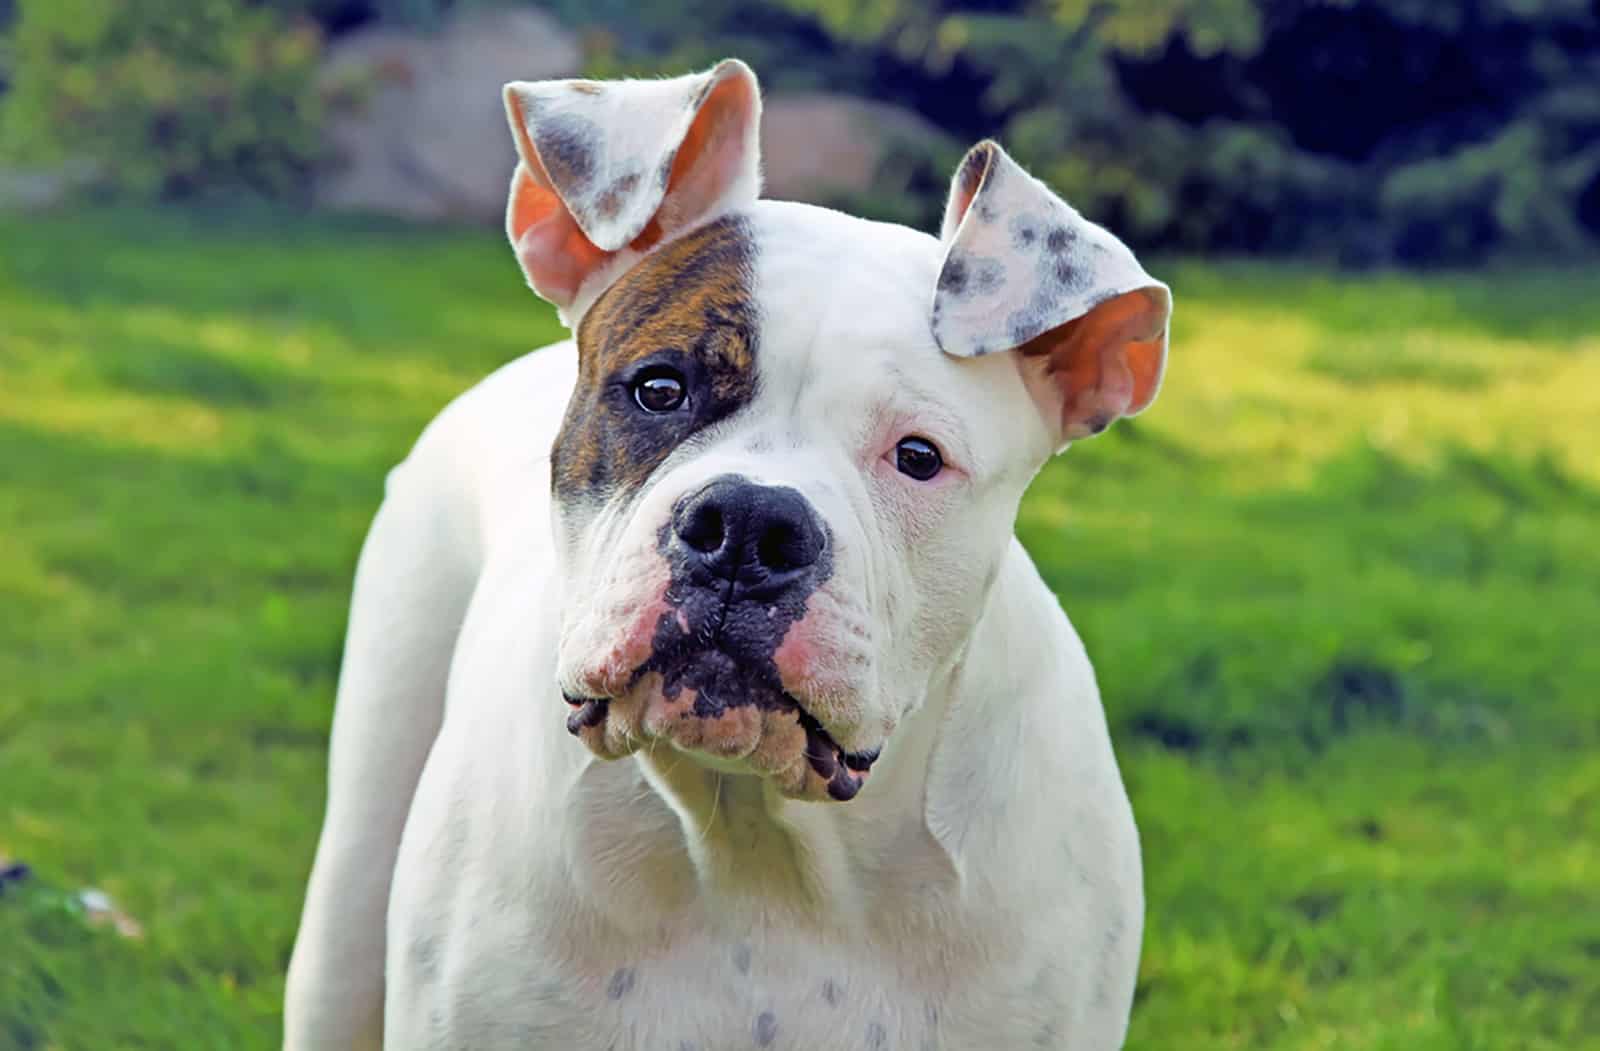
[922, 824]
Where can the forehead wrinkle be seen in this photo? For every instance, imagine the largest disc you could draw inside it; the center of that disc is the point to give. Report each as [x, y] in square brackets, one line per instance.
[909, 397]
[846, 305]
[830, 274]
[849, 325]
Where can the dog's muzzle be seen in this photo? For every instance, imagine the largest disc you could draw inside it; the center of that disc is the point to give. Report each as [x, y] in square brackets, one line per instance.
[744, 559]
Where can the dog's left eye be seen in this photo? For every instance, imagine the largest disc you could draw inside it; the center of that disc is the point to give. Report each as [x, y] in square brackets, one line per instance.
[659, 390]
[917, 458]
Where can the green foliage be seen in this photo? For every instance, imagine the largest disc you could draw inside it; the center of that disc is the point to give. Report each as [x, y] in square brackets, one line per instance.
[164, 98]
[1319, 126]
[1339, 586]
[1143, 27]
[1374, 131]
[1518, 187]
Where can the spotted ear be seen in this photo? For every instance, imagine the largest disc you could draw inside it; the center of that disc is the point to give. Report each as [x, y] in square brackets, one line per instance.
[610, 168]
[1024, 271]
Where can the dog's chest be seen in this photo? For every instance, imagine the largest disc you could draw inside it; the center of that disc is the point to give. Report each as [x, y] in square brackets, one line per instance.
[485, 956]
[706, 998]
[711, 995]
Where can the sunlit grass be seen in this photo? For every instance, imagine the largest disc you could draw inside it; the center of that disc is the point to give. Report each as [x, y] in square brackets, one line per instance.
[1341, 585]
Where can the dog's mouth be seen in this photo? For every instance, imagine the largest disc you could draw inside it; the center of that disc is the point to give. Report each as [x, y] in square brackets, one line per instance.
[707, 702]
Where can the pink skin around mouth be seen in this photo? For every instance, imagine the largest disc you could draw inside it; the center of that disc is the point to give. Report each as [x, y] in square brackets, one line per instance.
[774, 742]
[796, 656]
[811, 664]
[801, 659]
[613, 674]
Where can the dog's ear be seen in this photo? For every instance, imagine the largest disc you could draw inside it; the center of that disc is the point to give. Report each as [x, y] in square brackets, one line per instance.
[609, 169]
[1024, 271]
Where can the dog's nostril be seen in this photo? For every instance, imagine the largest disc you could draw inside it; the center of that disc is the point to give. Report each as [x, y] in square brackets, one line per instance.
[735, 528]
[703, 528]
[785, 545]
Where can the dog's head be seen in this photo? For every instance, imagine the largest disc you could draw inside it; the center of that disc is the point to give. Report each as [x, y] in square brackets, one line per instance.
[790, 468]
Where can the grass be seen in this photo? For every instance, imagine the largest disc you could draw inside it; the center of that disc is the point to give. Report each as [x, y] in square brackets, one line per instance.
[1342, 586]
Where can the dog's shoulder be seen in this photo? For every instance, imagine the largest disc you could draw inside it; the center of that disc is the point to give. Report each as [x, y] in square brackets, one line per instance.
[488, 450]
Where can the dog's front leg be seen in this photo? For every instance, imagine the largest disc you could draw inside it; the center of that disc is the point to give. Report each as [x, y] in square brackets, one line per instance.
[412, 586]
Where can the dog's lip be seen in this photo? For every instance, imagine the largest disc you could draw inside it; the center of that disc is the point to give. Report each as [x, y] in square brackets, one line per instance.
[587, 712]
[845, 772]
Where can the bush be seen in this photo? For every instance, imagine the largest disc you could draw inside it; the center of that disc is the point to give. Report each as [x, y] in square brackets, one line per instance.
[164, 98]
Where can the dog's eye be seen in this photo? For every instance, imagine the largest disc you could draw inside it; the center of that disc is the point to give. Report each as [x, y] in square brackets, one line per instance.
[659, 390]
[918, 458]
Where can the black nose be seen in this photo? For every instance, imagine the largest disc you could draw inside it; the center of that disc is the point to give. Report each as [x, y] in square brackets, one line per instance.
[757, 536]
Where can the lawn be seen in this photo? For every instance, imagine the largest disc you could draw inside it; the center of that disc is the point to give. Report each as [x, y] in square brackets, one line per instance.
[1342, 587]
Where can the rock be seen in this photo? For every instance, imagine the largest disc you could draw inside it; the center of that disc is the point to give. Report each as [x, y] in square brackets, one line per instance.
[101, 911]
[25, 190]
[418, 129]
[819, 147]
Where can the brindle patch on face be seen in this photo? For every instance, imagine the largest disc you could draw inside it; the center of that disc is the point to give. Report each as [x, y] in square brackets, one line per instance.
[687, 305]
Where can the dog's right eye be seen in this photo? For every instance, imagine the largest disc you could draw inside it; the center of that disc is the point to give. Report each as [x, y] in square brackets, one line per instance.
[659, 390]
[918, 458]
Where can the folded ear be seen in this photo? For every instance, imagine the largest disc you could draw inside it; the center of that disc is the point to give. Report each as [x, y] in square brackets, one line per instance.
[1024, 271]
[609, 169]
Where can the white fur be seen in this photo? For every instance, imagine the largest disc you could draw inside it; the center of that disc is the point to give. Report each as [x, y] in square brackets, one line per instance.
[605, 150]
[1030, 261]
[982, 892]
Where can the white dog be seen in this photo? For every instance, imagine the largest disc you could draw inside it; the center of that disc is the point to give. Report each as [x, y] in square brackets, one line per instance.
[640, 613]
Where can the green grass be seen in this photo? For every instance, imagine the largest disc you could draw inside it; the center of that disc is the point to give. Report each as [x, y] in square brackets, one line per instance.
[1342, 587]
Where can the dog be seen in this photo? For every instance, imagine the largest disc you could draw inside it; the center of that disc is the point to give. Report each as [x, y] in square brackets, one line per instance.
[697, 693]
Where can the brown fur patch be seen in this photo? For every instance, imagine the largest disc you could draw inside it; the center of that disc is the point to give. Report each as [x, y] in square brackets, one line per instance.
[686, 306]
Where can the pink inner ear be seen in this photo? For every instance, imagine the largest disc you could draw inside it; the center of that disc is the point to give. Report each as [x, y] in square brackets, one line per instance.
[1106, 364]
[964, 188]
[553, 250]
[962, 200]
[712, 154]
[554, 253]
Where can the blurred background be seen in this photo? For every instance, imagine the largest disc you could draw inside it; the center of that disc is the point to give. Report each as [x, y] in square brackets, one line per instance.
[1364, 131]
[1342, 583]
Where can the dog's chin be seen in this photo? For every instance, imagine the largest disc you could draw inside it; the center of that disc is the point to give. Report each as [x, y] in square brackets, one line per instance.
[731, 717]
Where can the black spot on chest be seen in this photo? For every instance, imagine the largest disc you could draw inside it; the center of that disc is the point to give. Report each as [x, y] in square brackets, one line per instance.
[685, 306]
[621, 983]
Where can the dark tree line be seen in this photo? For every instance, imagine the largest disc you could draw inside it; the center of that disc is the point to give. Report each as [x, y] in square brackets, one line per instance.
[1371, 130]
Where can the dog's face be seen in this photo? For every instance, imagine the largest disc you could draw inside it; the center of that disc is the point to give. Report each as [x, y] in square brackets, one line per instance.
[788, 473]
[778, 513]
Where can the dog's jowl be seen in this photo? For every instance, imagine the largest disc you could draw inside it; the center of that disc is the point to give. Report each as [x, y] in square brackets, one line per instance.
[697, 692]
